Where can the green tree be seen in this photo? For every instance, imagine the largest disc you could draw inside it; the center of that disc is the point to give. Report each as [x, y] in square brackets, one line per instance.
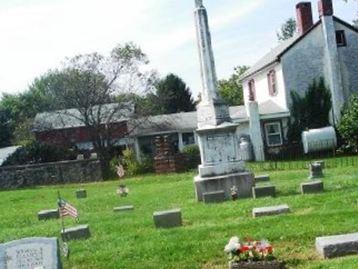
[5, 133]
[310, 111]
[348, 127]
[22, 108]
[91, 81]
[288, 30]
[231, 89]
[171, 96]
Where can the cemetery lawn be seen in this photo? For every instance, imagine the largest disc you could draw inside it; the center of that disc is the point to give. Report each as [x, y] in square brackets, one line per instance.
[129, 240]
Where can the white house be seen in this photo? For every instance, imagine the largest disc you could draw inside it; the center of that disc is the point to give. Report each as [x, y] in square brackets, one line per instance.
[327, 48]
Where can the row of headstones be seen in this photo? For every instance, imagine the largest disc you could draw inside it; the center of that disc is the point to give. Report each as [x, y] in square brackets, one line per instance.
[266, 190]
[44, 252]
[327, 246]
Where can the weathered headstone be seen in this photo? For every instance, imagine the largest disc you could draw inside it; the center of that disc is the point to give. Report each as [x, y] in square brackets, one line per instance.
[312, 187]
[167, 219]
[214, 197]
[48, 214]
[337, 245]
[262, 178]
[263, 191]
[315, 171]
[75, 233]
[30, 253]
[270, 210]
[123, 208]
[81, 194]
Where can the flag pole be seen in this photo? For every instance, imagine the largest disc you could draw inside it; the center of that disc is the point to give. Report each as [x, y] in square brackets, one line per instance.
[59, 211]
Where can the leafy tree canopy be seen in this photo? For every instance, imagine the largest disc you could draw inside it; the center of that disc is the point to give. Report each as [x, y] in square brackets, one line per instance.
[288, 30]
[231, 89]
[348, 127]
[171, 96]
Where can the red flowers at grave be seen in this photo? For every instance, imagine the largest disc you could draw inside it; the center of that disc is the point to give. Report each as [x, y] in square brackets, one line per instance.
[249, 250]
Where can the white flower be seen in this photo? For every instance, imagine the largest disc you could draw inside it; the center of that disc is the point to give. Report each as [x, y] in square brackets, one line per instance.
[233, 245]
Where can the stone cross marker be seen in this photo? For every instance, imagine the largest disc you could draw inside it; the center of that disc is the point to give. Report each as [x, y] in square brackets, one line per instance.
[30, 253]
[221, 166]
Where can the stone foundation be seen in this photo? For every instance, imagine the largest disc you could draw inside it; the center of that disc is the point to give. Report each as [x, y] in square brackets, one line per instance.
[243, 181]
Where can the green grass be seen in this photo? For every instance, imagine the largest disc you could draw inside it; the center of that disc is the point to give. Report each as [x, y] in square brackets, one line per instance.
[129, 240]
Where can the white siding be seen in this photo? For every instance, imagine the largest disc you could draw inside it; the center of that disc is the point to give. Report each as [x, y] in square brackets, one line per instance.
[262, 86]
[349, 60]
[304, 62]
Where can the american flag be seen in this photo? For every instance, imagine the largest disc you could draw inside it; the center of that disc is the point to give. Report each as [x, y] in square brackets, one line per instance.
[66, 209]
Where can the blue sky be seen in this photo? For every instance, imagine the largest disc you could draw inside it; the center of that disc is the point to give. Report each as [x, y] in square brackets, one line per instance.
[38, 34]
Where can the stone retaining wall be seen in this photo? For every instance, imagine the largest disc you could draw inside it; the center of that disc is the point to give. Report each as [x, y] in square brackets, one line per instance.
[13, 177]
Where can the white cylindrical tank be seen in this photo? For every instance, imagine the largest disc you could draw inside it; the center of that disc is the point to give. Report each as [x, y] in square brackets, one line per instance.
[319, 139]
[246, 150]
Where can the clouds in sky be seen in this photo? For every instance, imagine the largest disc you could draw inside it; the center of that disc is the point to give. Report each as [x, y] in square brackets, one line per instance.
[36, 35]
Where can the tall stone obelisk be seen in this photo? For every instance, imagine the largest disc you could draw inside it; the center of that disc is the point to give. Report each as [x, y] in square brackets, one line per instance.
[221, 168]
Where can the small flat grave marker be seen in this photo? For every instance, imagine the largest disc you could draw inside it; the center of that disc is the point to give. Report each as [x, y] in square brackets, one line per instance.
[30, 253]
[312, 187]
[48, 214]
[262, 178]
[270, 210]
[214, 197]
[81, 194]
[263, 191]
[123, 208]
[167, 219]
[75, 233]
[337, 245]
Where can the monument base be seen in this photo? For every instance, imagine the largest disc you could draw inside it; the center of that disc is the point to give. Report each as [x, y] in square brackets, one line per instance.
[244, 181]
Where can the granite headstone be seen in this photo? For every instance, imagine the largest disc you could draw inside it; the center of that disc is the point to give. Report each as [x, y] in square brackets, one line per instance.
[30, 253]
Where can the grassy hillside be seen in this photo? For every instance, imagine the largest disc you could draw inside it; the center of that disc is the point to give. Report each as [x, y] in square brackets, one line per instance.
[129, 240]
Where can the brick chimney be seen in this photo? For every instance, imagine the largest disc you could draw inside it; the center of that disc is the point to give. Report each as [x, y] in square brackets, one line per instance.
[325, 8]
[304, 17]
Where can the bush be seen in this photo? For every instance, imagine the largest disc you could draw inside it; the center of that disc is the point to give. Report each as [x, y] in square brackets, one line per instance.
[348, 127]
[310, 111]
[35, 152]
[192, 155]
[131, 166]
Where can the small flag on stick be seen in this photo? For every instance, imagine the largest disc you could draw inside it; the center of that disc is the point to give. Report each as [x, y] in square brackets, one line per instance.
[66, 209]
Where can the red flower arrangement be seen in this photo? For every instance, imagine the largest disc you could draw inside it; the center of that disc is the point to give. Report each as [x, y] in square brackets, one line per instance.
[247, 251]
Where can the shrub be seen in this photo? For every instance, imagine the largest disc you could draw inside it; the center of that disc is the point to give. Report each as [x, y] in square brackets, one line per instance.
[192, 156]
[348, 127]
[310, 111]
[131, 166]
[35, 152]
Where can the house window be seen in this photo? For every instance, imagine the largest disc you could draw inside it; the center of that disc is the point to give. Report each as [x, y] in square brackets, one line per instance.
[273, 134]
[341, 38]
[252, 93]
[188, 139]
[271, 78]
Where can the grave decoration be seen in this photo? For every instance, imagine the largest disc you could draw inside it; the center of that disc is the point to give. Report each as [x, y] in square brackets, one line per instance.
[251, 254]
[234, 193]
[122, 190]
[72, 233]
